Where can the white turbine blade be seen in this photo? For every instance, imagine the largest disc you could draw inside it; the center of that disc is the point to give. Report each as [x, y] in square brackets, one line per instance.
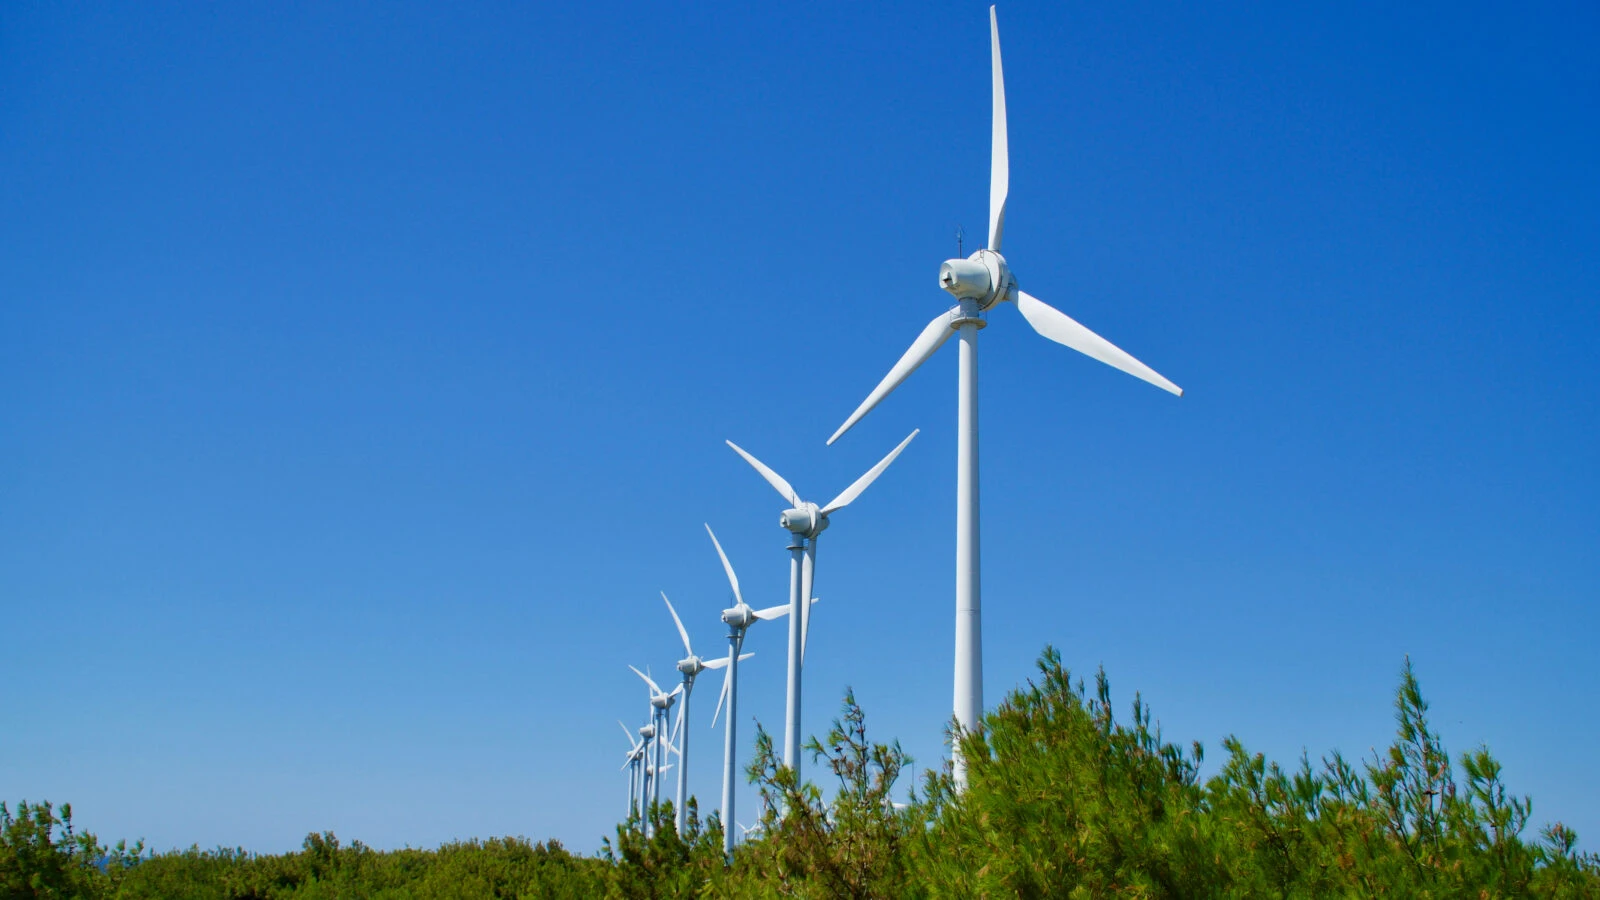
[853, 491]
[999, 155]
[772, 612]
[633, 739]
[721, 697]
[1063, 329]
[805, 629]
[676, 691]
[773, 478]
[722, 662]
[679, 622]
[653, 688]
[932, 338]
[726, 566]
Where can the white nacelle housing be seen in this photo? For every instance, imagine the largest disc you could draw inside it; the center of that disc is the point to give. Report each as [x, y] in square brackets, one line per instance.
[965, 278]
[804, 520]
[982, 277]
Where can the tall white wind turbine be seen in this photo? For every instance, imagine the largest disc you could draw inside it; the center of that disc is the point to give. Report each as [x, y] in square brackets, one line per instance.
[738, 618]
[805, 522]
[979, 283]
[691, 666]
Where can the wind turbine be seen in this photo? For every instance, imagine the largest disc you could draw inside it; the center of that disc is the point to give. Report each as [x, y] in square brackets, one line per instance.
[646, 773]
[660, 704]
[805, 522]
[738, 618]
[979, 283]
[691, 666]
[635, 757]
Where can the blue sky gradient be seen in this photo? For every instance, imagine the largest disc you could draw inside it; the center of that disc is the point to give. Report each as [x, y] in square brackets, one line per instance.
[366, 371]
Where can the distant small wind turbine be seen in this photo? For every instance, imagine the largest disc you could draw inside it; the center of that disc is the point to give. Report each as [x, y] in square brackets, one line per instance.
[647, 733]
[738, 618]
[980, 283]
[691, 666]
[660, 704]
[635, 759]
[805, 523]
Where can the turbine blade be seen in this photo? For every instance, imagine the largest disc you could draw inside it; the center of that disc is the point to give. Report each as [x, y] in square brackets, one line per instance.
[999, 155]
[653, 688]
[721, 697]
[726, 566]
[853, 491]
[679, 622]
[932, 338]
[722, 662]
[633, 739]
[773, 478]
[772, 612]
[1063, 329]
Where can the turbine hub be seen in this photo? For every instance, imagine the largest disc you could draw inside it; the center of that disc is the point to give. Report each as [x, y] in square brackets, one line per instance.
[647, 731]
[983, 277]
[691, 666]
[662, 701]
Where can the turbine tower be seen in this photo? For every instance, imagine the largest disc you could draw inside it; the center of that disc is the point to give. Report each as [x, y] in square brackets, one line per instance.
[738, 618]
[805, 522]
[979, 283]
[691, 666]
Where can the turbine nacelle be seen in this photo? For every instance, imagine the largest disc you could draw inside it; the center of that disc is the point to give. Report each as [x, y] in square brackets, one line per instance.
[739, 617]
[663, 701]
[983, 277]
[806, 520]
[691, 666]
[647, 731]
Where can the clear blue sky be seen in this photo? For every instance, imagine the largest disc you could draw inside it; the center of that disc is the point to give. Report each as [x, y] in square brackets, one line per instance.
[364, 372]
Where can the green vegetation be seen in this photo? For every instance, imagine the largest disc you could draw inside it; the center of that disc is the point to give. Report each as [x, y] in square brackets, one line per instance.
[1063, 801]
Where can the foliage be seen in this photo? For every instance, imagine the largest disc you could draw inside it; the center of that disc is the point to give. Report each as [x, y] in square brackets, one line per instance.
[665, 864]
[1062, 800]
[38, 862]
[854, 846]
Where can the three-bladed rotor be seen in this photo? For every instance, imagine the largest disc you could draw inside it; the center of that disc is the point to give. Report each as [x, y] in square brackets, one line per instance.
[984, 280]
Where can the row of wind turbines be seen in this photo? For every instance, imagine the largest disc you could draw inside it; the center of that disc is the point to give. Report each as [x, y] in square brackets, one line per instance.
[978, 283]
[804, 521]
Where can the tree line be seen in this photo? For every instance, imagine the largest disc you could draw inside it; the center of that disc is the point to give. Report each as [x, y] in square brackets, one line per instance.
[1063, 800]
